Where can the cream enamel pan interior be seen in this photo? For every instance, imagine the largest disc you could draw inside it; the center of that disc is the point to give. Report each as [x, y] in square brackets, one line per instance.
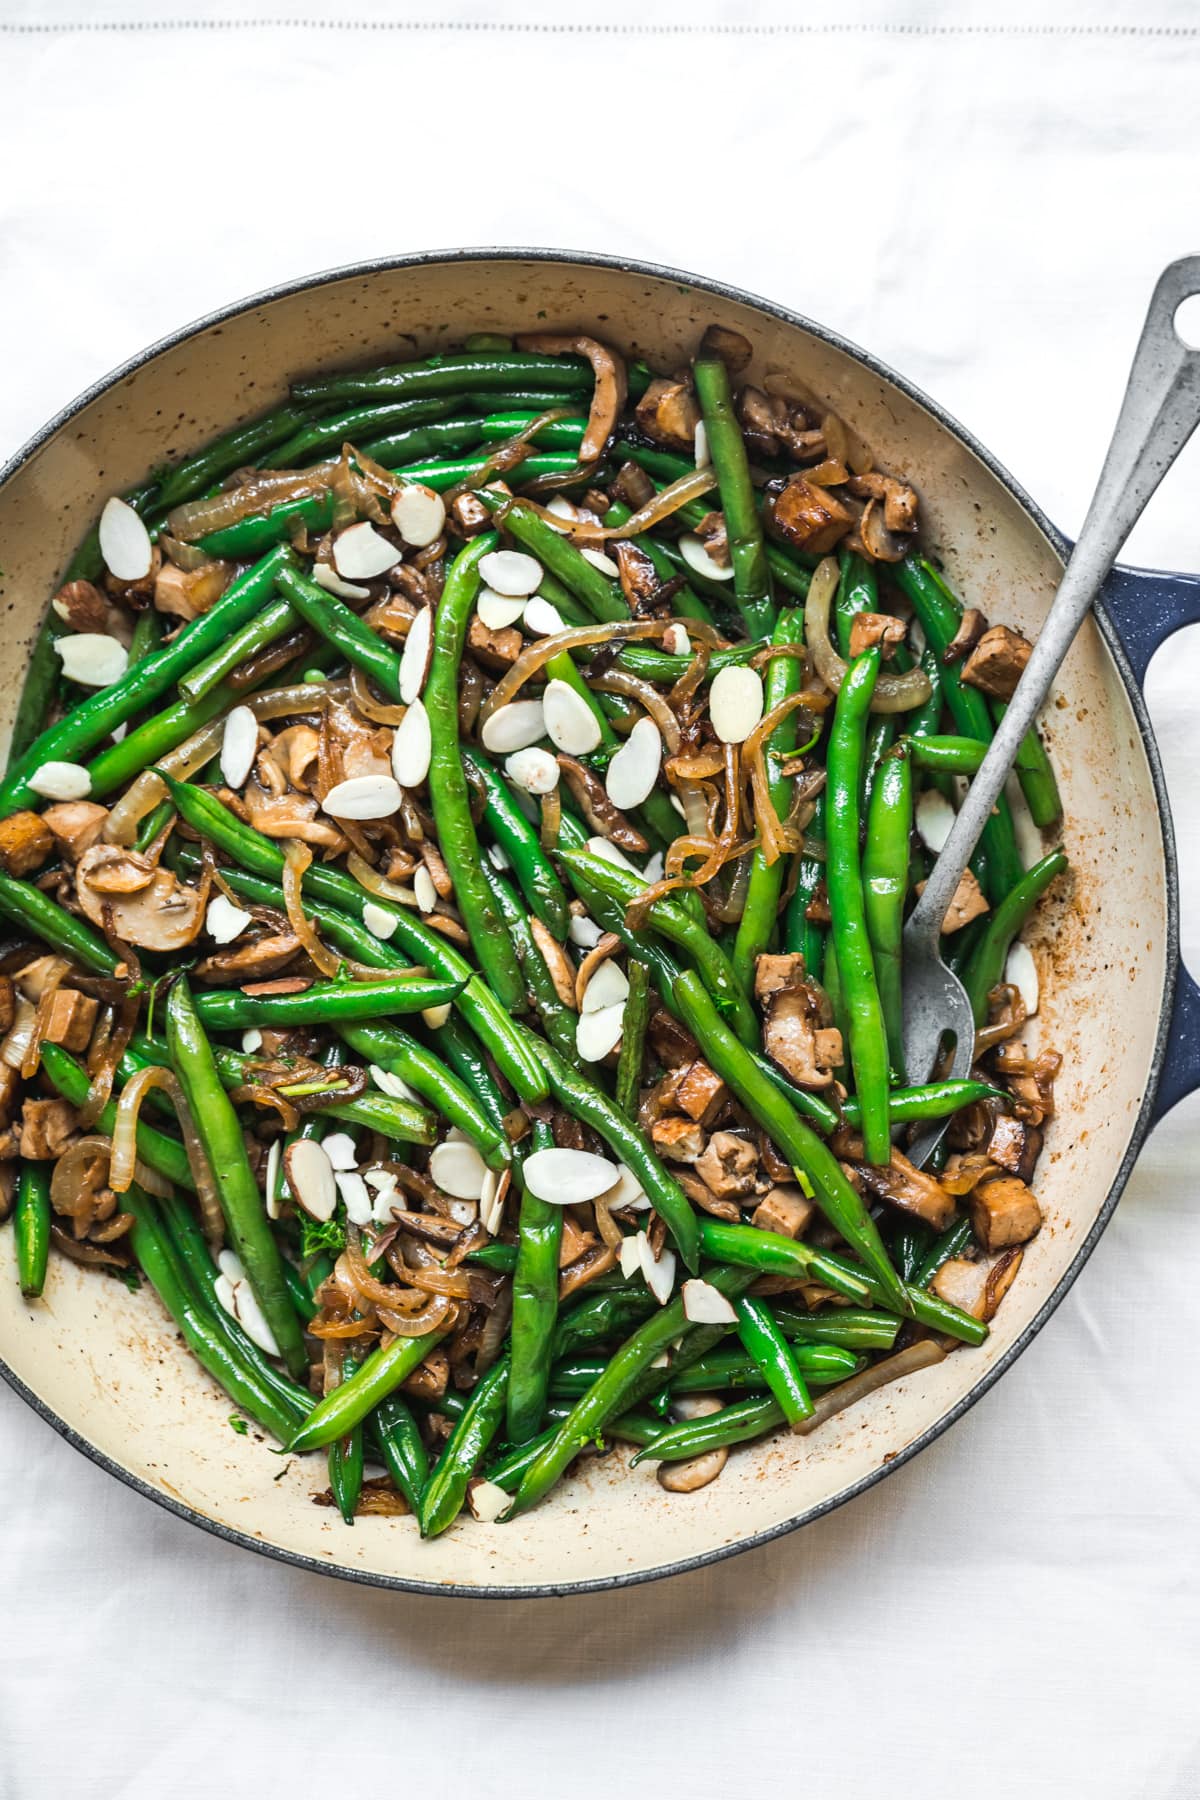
[100, 1363]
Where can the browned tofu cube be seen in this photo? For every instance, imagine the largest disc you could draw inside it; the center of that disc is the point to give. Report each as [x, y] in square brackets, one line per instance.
[870, 628]
[76, 825]
[496, 649]
[968, 903]
[997, 662]
[1004, 1212]
[701, 1093]
[809, 517]
[46, 1128]
[25, 843]
[72, 1017]
[774, 973]
[728, 1166]
[8, 1002]
[677, 1139]
[668, 413]
[1014, 1146]
[785, 1210]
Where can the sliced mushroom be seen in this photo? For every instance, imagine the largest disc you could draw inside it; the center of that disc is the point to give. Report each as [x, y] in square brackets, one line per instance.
[250, 962]
[296, 751]
[734, 350]
[112, 870]
[592, 799]
[697, 1471]
[561, 972]
[898, 501]
[728, 1166]
[290, 815]
[908, 1188]
[806, 1050]
[971, 628]
[639, 577]
[165, 914]
[186, 593]
[668, 413]
[608, 394]
[869, 628]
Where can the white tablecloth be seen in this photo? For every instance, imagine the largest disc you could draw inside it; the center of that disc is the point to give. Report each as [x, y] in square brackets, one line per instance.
[1018, 1612]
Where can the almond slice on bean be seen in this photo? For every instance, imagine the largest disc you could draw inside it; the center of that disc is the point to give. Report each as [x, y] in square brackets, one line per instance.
[609, 986]
[570, 723]
[326, 576]
[412, 746]
[568, 1177]
[584, 932]
[514, 727]
[511, 572]
[416, 654]
[390, 1084]
[598, 1033]
[92, 658]
[499, 610]
[423, 888]
[657, 1272]
[360, 553]
[735, 703]
[224, 921]
[605, 564]
[419, 514]
[124, 541]
[1020, 970]
[271, 1179]
[310, 1178]
[535, 771]
[541, 618]
[379, 923]
[61, 781]
[934, 819]
[704, 1304]
[341, 1150]
[239, 746]
[458, 1169]
[703, 454]
[355, 1198]
[633, 771]
[364, 797]
[630, 1256]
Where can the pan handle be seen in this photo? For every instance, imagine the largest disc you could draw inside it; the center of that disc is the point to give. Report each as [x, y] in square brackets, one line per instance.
[1145, 606]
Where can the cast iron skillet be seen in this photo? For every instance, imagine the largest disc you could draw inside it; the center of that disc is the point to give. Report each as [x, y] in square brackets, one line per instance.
[102, 1367]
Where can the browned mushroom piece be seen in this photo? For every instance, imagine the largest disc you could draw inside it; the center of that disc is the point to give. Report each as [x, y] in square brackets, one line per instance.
[255, 961]
[734, 350]
[113, 870]
[977, 1287]
[677, 1139]
[695, 1472]
[72, 1017]
[82, 606]
[773, 972]
[968, 903]
[1015, 1147]
[1030, 1081]
[296, 752]
[608, 394]
[785, 1210]
[712, 532]
[25, 843]
[632, 486]
[897, 501]
[671, 1043]
[907, 1188]
[868, 629]
[165, 914]
[186, 593]
[496, 650]
[639, 577]
[997, 662]
[701, 1195]
[470, 515]
[289, 815]
[971, 628]
[591, 797]
[700, 1092]
[808, 517]
[728, 1166]
[364, 749]
[1004, 1212]
[667, 412]
[47, 1127]
[796, 1037]
[8, 1004]
[557, 961]
[76, 825]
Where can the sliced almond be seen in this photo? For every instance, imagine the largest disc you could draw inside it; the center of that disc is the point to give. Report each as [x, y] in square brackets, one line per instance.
[249, 1315]
[458, 1169]
[657, 1272]
[534, 771]
[633, 771]
[360, 1209]
[423, 888]
[598, 560]
[379, 923]
[416, 654]
[700, 562]
[570, 723]
[239, 746]
[252, 1041]
[435, 1016]
[584, 931]
[341, 1150]
[310, 1178]
[676, 642]
[412, 746]
[514, 727]
[934, 819]
[511, 572]
[609, 986]
[630, 1256]
[92, 658]
[704, 1304]
[568, 1177]
[390, 1084]
[361, 553]
[735, 703]
[499, 610]
[419, 514]
[703, 454]
[61, 781]
[124, 541]
[1021, 971]
[542, 619]
[364, 797]
[491, 1202]
[224, 921]
[607, 851]
[326, 576]
[271, 1179]
[499, 858]
[487, 1500]
[627, 1194]
[598, 1033]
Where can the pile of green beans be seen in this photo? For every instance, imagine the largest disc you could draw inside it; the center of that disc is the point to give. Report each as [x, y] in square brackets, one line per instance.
[357, 1103]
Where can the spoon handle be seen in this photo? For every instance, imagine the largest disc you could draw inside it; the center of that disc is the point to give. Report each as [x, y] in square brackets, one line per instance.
[1160, 411]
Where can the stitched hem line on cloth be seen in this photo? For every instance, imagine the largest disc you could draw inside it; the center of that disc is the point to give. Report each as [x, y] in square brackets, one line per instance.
[512, 28]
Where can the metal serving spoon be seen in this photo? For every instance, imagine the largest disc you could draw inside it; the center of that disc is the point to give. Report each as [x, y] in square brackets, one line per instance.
[1160, 411]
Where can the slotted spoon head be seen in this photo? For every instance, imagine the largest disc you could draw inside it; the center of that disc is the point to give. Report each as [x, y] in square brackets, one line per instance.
[935, 1004]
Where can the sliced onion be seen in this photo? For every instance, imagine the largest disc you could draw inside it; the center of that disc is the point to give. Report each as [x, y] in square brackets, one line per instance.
[893, 1368]
[264, 490]
[893, 693]
[765, 815]
[667, 501]
[580, 637]
[632, 687]
[380, 712]
[378, 884]
[124, 1144]
[297, 859]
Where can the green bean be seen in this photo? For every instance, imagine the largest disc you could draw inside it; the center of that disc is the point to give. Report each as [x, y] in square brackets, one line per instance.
[482, 370]
[353, 424]
[555, 434]
[599, 1316]
[986, 966]
[934, 1100]
[757, 922]
[117, 764]
[818, 1112]
[236, 449]
[32, 910]
[1035, 774]
[43, 677]
[146, 637]
[763, 1340]
[926, 1309]
[820, 1364]
[558, 1021]
[394, 1051]
[885, 889]
[401, 1447]
[31, 1227]
[951, 755]
[502, 1258]
[858, 591]
[335, 622]
[325, 1002]
[444, 437]
[633, 1040]
[751, 579]
[98, 717]
[796, 1140]
[346, 1459]
[800, 933]
[677, 924]
[951, 1242]
[265, 628]
[479, 1006]
[378, 1375]
[629, 1144]
[770, 1253]
[601, 595]
[220, 1133]
[446, 1489]
[653, 664]
[392, 1118]
[847, 1327]
[868, 1048]
[939, 616]
[510, 829]
[448, 788]
[534, 1304]
[469, 1062]
[908, 1245]
[611, 1393]
[298, 1294]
